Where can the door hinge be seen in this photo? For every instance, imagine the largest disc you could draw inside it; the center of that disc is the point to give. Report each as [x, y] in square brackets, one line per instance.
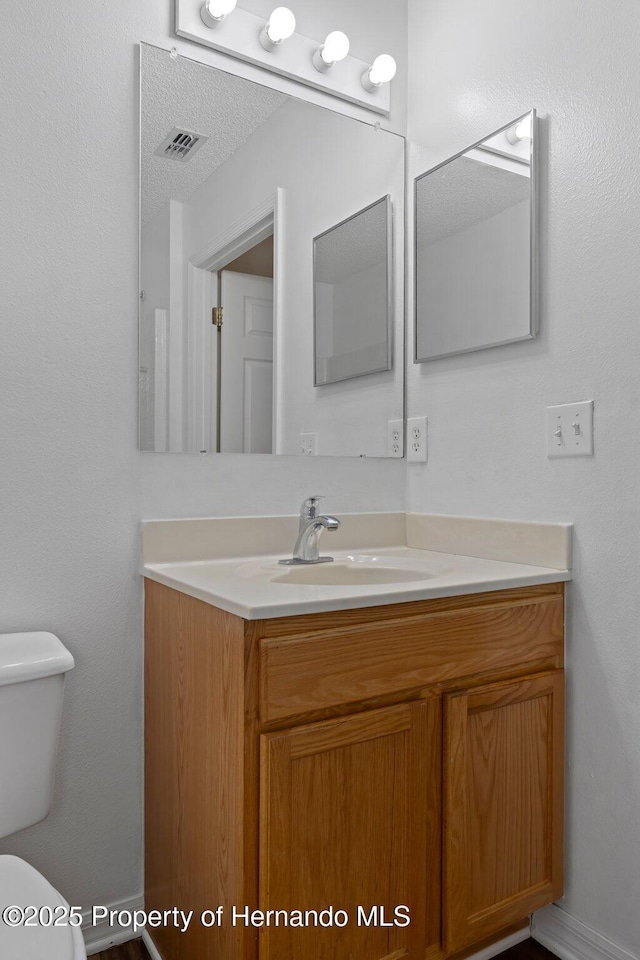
[216, 316]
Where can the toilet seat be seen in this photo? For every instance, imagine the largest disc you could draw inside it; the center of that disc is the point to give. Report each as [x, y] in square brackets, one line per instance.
[21, 885]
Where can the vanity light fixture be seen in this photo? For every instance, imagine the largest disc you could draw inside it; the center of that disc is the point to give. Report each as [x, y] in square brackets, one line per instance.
[275, 43]
[334, 49]
[280, 26]
[212, 12]
[520, 131]
[382, 70]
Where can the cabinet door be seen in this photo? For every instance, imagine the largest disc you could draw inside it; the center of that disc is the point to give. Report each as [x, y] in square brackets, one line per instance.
[347, 822]
[503, 796]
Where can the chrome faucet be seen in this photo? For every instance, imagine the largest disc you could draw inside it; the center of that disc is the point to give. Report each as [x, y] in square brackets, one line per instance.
[310, 526]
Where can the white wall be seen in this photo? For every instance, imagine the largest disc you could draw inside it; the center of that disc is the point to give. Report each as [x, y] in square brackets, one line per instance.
[473, 285]
[72, 485]
[361, 298]
[474, 67]
[154, 282]
[162, 281]
[329, 167]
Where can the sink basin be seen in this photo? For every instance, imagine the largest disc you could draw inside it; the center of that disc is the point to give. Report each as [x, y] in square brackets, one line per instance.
[340, 574]
[354, 570]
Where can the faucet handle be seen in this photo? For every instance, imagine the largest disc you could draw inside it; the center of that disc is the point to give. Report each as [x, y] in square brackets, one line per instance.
[308, 508]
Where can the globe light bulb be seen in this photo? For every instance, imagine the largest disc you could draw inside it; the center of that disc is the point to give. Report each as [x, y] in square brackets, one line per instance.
[281, 26]
[335, 47]
[523, 129]
[383, 70]
[213, 11]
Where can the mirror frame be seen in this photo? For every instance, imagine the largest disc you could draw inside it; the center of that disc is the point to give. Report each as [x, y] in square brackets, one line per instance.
[534, 300]
[390, 291]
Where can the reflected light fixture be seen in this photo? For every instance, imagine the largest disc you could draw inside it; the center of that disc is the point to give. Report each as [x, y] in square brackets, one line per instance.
[334, 49]
[520, 130]
[280, 27]
[212, 12]
[382, 70]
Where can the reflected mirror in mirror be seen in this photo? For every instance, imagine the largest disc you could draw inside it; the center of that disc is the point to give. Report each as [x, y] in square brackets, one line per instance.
[237, 179]
[353, 308]
[476, 246]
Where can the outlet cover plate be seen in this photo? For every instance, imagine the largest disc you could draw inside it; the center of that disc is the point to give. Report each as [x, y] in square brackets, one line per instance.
[570, 430]
[417, 440]
[395, 438]
[309, 444]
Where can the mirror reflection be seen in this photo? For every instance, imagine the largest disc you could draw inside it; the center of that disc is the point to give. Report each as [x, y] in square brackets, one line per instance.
[237, 181]
[475, 246]
[353, 309]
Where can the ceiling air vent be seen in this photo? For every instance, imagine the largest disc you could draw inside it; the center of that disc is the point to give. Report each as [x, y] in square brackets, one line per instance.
[180, 145]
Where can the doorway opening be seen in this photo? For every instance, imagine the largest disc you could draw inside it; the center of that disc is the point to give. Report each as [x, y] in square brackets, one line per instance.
[224, 412]
[243, 330]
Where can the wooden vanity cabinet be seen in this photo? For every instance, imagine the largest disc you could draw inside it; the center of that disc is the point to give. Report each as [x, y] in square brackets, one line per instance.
[406, 755]
[503, 776]
[343, 810]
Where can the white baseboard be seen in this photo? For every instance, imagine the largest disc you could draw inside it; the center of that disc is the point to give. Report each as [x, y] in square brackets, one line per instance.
[571, 939]
[485, 954]
[501, 945]
[553, 927]
[151, 947]
[102, 935]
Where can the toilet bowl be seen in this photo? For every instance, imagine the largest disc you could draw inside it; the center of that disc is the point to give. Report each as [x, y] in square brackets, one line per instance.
[32, 669]
[22, 886]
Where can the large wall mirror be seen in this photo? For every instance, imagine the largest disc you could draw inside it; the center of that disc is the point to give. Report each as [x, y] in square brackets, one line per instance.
[353, 295]
[475, 245]
[237, 182]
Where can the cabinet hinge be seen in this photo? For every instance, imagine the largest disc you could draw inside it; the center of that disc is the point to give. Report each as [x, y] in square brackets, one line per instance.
[216, 316]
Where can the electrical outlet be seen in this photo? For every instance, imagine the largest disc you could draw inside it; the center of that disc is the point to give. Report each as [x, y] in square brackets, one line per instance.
[417, 440]
[395, 438]
[570, 430]
[309, 444]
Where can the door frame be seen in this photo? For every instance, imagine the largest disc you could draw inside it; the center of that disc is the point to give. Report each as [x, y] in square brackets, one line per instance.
[251, 228]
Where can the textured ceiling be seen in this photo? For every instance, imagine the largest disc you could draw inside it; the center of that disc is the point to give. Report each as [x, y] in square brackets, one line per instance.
[181, 93]
[462, 193]
[354, 246]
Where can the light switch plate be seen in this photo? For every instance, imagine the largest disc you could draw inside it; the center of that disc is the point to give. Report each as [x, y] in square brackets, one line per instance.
[570, 430]
[417, 440]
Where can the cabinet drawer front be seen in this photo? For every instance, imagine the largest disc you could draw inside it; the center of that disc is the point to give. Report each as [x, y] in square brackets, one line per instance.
[310, 672]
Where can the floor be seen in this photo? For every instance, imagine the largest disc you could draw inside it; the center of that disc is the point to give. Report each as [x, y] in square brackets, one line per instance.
[134, 950]
[528, 950]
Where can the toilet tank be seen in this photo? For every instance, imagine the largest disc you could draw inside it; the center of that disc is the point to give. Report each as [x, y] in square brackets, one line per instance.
[32, 669]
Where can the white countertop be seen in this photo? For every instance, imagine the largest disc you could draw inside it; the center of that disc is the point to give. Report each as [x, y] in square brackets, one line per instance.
[256, 587]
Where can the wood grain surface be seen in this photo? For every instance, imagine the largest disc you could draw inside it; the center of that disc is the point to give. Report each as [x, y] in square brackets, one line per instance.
[345, 822]
[194, 772]
[503, 805]
[334, 757]
[327, 668]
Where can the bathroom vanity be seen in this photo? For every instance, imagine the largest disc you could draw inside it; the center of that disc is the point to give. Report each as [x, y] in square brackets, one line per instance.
[360, 753]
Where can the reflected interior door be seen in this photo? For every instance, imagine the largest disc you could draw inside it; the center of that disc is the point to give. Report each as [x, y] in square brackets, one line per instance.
[246, 396]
